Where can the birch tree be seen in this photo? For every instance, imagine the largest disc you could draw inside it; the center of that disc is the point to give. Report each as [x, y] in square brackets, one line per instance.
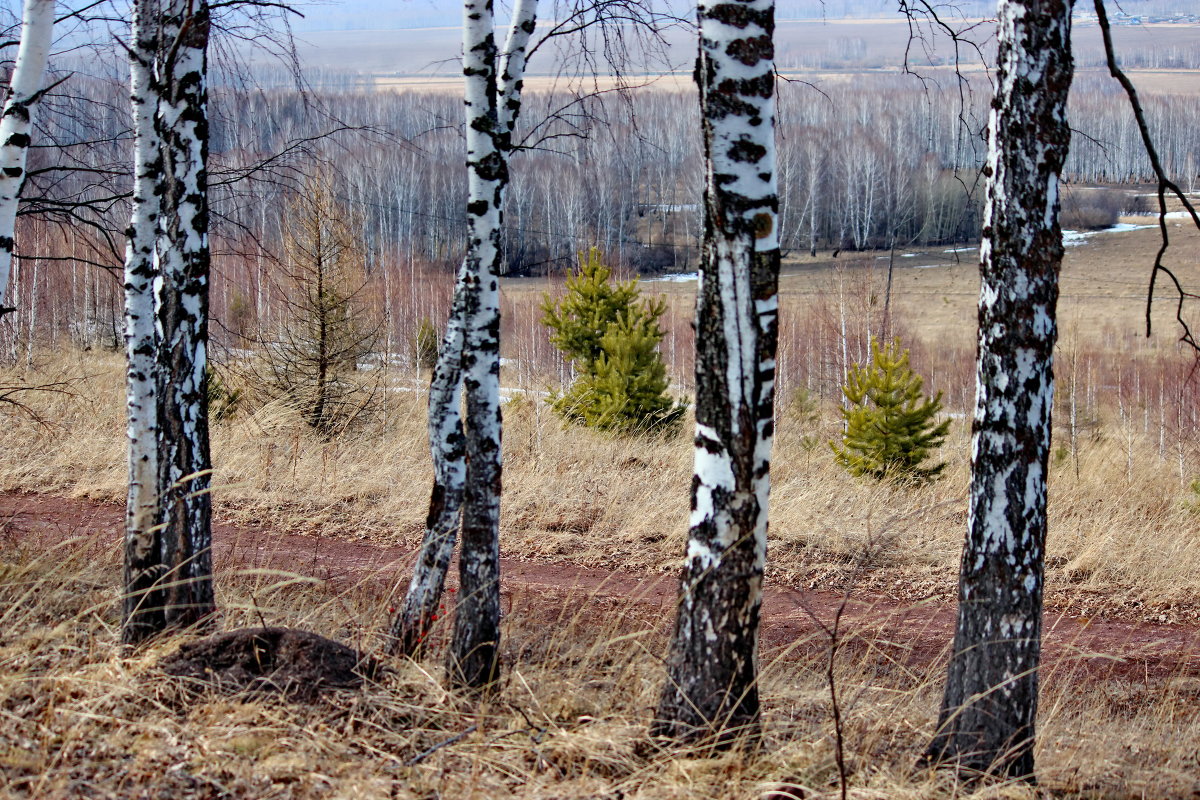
[25, 89]
[448, 448]
[143, 613]
[711, 691]
[182, 314]
[987, 717]
[470, 357]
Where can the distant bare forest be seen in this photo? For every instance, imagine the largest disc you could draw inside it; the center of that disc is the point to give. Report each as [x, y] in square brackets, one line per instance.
[865, 163]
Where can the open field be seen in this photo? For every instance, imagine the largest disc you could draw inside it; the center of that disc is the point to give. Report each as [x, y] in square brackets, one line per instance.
[1122, 512]
[1158, 81]
[1102, 293]
[425, 59]
[1121, 509]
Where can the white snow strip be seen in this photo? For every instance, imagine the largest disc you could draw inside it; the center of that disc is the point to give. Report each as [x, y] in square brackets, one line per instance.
[675, 277]
[1075, 238]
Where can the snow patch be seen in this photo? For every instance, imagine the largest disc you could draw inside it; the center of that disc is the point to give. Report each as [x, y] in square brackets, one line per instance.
[674, 277]
[1076, 238]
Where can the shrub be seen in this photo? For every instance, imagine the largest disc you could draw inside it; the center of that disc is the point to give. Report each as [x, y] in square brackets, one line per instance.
[1091, 208]
[890, 429]
[223, 399]
[425, 345]
[612, 340]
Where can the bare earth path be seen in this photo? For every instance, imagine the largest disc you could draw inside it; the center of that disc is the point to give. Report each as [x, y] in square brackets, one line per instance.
[911, 634]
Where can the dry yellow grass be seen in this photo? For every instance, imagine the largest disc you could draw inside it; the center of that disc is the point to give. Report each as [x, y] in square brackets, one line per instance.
[80, 718]
[424, 59]
[936, 289]
[452, 84]
[1155, 81]
[1123, 537]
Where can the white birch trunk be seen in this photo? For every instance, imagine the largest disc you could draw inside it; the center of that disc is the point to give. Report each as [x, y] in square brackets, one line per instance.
[143, 562]
[446, 445]
[990, 704]
[16, 124]
[182, 315]
[467, 458]
[511, 79]
[711, 691]
[511, 76]
[473, 658]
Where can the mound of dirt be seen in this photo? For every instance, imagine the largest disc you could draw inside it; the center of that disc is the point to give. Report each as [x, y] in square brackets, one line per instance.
[295, 663]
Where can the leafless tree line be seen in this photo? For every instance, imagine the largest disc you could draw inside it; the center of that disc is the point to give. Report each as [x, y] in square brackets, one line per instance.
[868, 166]
[865, 166]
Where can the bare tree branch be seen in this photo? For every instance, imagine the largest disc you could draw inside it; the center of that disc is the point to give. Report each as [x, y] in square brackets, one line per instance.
[1165, 185]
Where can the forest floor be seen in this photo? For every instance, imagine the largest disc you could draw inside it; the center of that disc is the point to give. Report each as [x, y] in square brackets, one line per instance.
[915, 634]
[80, 717]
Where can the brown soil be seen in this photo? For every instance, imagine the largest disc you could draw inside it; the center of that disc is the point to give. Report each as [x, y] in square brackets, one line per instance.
[794, 621]
[295, 663]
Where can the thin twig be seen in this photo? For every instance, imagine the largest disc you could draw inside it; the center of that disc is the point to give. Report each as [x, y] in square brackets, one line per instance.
[417, 759]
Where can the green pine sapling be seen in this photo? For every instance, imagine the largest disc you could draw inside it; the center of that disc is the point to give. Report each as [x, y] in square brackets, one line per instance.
[890, 423]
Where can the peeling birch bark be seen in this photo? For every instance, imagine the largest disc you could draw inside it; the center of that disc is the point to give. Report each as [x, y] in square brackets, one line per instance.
[16, 124]
[142, 607]
[711, 693]
[182, 316]
[988, 712]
